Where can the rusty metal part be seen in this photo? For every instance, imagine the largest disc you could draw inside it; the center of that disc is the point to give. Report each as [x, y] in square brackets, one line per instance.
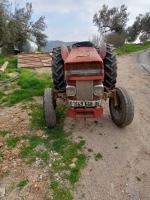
[85, 112]
[113, 94]
[102, 50]
[82, 55]
[84, 90]
[64, 52]
[109, 94]
[60, 95]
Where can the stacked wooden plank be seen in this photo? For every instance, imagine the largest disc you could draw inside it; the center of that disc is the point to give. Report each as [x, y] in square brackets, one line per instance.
[4, 66]
[34, 60]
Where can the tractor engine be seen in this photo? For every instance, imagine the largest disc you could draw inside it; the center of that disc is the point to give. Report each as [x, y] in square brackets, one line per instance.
[84, 75]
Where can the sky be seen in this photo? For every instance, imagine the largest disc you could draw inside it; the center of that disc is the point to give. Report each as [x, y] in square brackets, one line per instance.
[72, 20]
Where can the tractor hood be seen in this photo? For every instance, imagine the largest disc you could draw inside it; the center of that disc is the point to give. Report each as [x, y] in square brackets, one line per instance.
[83, 54]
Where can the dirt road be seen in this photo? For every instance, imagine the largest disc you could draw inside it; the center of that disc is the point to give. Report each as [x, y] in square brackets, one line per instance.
[123, 173]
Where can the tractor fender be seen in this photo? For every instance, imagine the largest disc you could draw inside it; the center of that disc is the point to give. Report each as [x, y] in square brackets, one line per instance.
[64, 52]
[102, 50]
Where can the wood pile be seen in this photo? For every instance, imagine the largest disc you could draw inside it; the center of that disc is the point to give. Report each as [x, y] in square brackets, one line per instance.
[34, 60]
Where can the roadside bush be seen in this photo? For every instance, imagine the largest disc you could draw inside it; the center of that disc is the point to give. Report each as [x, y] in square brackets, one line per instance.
[116, 39]
[129, 48]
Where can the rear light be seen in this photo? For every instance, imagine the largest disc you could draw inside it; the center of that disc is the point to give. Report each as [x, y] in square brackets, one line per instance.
[99, 90]
[70, 91]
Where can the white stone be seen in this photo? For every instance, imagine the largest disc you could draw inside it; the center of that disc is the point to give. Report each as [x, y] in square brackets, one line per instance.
[2, 192]
[50, 165]
[72, 165]
[74, 160]
[55, 154]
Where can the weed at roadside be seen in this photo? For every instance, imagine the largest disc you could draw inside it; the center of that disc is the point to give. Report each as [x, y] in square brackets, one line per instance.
[22, 184]
[31, 84]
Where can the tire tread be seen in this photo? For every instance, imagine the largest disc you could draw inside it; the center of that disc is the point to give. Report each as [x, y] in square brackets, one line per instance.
[110, 68]
[58, 73]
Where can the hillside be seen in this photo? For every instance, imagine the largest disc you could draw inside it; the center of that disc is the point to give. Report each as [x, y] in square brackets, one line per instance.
[55, 43]
[127, 48]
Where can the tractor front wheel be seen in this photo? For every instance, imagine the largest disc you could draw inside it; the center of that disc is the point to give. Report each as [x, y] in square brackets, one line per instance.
[121, 108]
[49, 108]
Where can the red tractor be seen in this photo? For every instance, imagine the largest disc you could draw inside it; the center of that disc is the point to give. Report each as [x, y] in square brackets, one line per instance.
[85, 76]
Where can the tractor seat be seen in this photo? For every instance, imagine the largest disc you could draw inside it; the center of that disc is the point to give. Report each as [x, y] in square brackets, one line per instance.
[83, 44]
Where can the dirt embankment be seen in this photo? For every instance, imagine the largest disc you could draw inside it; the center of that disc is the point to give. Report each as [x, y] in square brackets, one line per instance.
[123, 173]
[144, 59]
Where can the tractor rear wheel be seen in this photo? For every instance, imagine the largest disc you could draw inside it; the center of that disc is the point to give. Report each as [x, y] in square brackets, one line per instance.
[58, 73]
[48, 106]
[121, 108]
[110, 68]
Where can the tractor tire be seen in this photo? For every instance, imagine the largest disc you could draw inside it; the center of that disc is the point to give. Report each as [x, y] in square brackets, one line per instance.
[122, 113]
[58, 73]
[48, 106]
[110, 69]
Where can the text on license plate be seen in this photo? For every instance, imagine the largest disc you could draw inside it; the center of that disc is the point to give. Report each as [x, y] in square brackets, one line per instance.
[85, 103]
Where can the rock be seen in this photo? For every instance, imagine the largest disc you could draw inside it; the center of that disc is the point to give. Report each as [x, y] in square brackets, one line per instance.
[2, 139]
[40, 133]
[67, 173]
[15, 153]
[46, 170]
[57, 177]
[41, 177]
[44, 136]
[40, 147]
[1, 144]
[5, 168]
[14, 164]
[38, 161]
[38, 186]
[2, 192]
[22, 143]
[72, 166]
[55, 154]
[7, 135]
[13, 75]
[74, 160]
[50, 165]
[63, 164]
[2, 113]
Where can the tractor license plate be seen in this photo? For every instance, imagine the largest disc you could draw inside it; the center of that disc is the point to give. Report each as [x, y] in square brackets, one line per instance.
[85, 103]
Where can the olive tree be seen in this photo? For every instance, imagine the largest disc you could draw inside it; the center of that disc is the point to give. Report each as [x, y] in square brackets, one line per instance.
[17, 27]
[4, 16]
[141, 27]
[111, 19]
